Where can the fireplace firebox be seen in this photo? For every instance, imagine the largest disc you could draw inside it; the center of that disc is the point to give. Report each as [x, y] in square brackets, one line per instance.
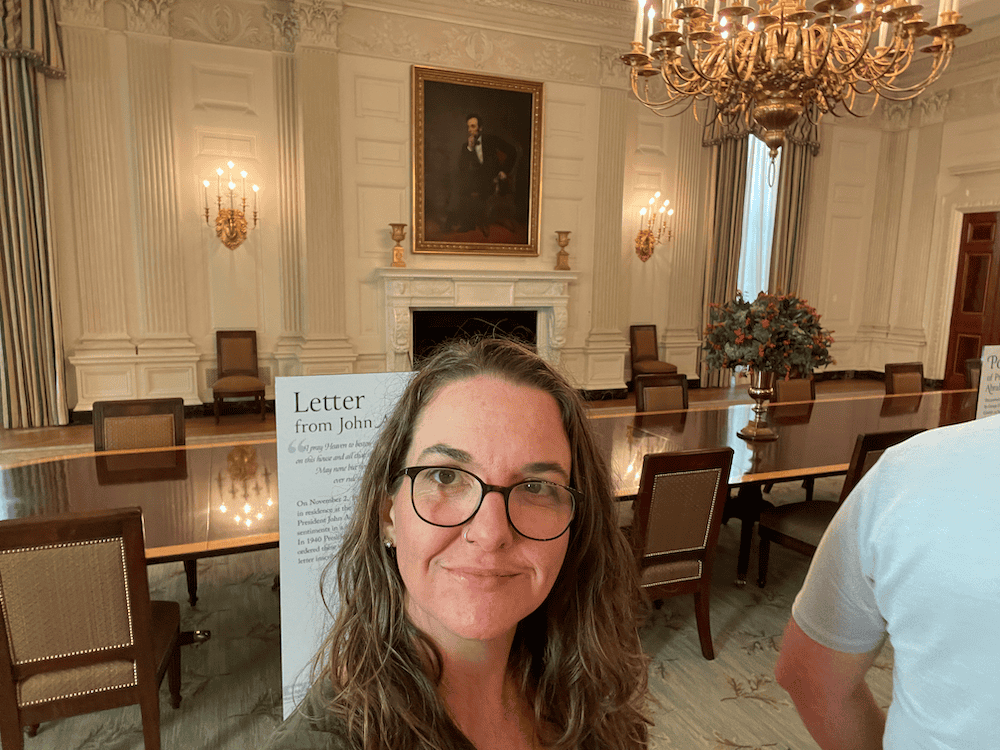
[433, 327]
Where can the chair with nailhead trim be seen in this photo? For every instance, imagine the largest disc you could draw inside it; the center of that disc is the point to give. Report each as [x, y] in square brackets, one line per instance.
[78, 632]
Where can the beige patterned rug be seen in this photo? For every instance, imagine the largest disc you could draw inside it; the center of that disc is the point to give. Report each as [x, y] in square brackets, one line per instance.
[231, 684]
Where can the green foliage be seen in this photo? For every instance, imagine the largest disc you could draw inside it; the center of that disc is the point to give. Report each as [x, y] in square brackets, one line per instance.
[774, 333]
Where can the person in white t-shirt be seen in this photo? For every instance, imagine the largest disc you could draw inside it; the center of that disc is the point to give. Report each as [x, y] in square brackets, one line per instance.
[912, 556]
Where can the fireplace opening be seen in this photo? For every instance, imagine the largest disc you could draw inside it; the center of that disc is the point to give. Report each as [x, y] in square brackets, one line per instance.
[433, 327]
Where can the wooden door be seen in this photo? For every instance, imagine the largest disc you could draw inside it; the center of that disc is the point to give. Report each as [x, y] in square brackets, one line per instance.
[975, 314]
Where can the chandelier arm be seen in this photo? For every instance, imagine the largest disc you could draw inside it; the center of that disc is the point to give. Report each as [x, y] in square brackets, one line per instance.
[843, 36]
[695, 76]
[709, 61]
[673, 99]
[940, 63]
[887, 69]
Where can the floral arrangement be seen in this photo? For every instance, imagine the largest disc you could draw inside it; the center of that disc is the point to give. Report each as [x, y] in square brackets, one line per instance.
[774, 333]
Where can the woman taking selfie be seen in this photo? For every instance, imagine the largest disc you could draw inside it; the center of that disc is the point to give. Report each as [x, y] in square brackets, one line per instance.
[488, 599]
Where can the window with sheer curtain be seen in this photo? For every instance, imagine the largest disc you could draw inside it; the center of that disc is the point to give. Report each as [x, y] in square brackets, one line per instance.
[759, 203]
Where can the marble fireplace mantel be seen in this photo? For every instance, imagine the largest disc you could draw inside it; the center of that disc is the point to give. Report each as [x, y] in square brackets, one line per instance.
[546, 292]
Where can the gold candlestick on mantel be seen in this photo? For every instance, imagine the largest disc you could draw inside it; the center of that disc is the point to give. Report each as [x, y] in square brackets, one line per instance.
[398, 234]
[562, 257]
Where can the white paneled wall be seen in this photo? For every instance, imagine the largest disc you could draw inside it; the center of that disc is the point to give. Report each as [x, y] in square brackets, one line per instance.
[314, 101]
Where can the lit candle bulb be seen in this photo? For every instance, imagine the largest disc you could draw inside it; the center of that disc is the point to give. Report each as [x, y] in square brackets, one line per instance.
[205, 183]
[230, 164]
[255, 189]
[649, 34]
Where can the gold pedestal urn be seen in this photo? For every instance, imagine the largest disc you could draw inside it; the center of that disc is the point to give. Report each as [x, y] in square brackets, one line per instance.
[761, 390]
[562, 257]
[398, 234]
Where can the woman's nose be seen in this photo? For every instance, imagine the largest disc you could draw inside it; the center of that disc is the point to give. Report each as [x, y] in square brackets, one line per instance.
[489, 528]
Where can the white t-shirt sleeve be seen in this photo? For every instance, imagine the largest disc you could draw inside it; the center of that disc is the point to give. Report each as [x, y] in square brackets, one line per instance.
[836, 605]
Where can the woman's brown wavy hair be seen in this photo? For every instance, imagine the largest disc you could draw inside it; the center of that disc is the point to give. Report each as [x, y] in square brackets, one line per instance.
[577, 658]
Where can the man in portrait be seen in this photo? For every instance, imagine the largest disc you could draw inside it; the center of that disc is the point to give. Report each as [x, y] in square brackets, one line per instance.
[484, 188]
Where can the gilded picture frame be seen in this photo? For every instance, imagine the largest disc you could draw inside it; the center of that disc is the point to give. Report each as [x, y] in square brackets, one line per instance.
[477, 163]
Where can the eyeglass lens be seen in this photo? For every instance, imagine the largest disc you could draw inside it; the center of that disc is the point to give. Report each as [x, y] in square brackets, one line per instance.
[449, 497]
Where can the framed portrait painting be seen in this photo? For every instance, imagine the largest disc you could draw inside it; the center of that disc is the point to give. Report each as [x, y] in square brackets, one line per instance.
[477, 162]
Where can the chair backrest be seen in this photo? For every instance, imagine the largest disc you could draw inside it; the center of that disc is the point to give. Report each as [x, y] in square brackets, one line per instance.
[904, 377]
[678, 510]
[642, 339]
[795, 389]
[973, 369]
[661, 392]
[138, 423]
[867, 450]
[76, 616]
[236, 352]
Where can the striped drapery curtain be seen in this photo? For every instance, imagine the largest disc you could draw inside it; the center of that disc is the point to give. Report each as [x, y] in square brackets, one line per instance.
[32, 377]
[801, 145]
[729, 177]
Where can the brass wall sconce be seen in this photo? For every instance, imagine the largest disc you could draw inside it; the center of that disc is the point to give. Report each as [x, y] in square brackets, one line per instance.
[653, 225]
[231, 223]
[562, 257]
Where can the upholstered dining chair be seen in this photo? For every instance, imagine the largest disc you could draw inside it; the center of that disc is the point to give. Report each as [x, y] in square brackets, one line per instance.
[644, 353]
[144, 423]
[675, 527]
[236, 354]
[800, 526]
[79, 632]
[661, 392]
[138, 423]
[904, 377]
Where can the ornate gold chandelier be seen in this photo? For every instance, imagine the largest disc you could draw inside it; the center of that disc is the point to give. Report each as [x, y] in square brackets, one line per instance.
[771, 66]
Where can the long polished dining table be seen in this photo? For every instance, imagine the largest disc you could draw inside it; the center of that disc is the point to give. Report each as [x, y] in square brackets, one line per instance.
[197, 500]
[815, 439]
[205, 500]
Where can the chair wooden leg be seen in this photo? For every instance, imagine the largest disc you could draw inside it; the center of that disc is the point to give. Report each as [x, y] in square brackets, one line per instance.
[808, 485]
[765, 554]
[215, 403]
[701, 614]
[149, 707]
[11, 733]
[191, 573]
[174, 675]
[262, 407]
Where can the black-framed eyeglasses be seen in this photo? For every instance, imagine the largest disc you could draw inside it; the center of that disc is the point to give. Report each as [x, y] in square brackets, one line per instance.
[447, 497]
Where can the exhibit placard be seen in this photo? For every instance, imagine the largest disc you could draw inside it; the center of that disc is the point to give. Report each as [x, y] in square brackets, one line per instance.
[325, 428]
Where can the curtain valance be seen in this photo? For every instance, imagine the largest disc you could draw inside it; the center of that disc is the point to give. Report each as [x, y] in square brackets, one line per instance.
[30, 29]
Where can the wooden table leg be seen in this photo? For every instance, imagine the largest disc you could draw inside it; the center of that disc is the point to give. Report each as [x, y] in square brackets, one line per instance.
[748, 502]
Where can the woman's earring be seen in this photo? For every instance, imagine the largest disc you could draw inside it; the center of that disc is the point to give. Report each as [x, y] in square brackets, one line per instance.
[389, 544]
